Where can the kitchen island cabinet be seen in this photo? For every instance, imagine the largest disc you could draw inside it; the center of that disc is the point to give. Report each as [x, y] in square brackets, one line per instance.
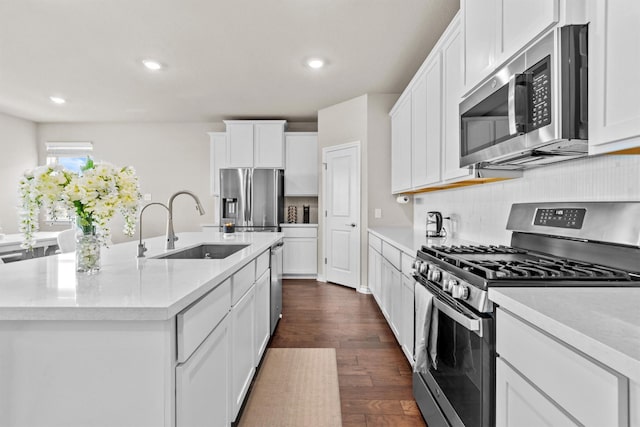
[137, 344]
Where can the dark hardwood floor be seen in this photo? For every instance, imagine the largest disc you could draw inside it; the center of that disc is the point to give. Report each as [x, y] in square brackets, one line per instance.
[374, 375]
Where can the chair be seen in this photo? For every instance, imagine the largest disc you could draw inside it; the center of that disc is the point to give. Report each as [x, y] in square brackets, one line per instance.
[67, 241]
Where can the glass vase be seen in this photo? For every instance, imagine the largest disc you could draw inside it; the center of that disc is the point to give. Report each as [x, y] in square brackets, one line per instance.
[87, 250]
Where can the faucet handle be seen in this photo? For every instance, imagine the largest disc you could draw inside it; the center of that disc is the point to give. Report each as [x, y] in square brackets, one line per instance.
[142, 248]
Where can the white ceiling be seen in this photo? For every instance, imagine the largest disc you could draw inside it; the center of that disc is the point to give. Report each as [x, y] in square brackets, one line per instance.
[225, 58]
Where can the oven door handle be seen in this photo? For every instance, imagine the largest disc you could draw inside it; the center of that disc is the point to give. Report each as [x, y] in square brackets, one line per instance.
[473, 325]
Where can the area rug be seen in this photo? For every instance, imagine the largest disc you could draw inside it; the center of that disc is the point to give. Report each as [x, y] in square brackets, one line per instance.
[295, 387]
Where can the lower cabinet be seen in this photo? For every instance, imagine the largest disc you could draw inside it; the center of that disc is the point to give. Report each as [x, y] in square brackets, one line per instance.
[541, 381]
[408, 316]
[263, 317]
[243, 341]
[202, 396]
[374, 273]
[300, 251]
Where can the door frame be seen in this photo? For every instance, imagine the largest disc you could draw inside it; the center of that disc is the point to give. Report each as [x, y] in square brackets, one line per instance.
[322, 215]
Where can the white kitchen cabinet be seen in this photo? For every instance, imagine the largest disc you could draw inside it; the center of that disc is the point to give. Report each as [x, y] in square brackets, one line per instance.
[522, 405]
[218, 159]
[408, 318]
[587, 392]
[401, 145]
[242, 349]
[614, 87]
[425, 125]
[268, 145]
[396, 302]
[375, 273]
[239, 145]
[258, 144]
[301, 171]
[495, 30]
[263, 317]
[300, 250]
[385, 288]
[452, 86]
[202, 392]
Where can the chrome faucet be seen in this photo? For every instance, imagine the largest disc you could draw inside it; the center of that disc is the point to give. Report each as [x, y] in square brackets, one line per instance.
[171, 235]
[141, 246]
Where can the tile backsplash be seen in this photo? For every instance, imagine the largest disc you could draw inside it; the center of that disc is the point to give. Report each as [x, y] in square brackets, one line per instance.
[479, 213]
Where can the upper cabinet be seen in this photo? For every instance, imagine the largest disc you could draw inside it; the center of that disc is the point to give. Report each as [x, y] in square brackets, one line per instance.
[495, 30]
[301, 172]
[258, 144]
[218, 158]
[614, 86]
[401, 145]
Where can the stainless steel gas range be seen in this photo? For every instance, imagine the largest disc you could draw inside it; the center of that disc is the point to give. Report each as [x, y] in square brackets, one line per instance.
[552, 245]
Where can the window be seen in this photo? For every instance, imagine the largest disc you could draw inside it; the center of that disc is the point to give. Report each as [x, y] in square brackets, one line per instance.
[72, 156]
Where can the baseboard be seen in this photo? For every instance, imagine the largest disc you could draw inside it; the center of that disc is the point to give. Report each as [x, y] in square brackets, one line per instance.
[300, 276]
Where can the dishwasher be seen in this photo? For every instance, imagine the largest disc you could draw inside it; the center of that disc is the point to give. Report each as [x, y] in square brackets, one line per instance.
[276, 285]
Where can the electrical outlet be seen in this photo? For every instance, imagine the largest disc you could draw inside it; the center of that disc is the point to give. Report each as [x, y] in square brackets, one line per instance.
[147, 197]
[377, 213]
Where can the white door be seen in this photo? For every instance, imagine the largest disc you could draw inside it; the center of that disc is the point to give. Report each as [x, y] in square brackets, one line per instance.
[342, 208]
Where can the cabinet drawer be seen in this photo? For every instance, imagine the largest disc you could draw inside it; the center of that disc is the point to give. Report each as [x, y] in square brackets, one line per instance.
[262, 263]
[242, 281]
[375, 243]
[198, 320]
[300, 231]
[591, 393]
[391, 254]
[407, 264]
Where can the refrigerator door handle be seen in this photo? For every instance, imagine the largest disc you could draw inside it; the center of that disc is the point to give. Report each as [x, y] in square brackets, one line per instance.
[250, 199]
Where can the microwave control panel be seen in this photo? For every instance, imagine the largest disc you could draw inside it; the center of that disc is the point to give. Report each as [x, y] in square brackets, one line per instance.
[560, 217]
[540, 94]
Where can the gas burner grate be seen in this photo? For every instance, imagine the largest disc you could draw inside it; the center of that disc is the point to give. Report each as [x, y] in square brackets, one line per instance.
[472, 249]
[544, 268]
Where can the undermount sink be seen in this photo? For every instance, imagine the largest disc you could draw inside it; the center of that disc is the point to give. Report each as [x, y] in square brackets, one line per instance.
[211, 251]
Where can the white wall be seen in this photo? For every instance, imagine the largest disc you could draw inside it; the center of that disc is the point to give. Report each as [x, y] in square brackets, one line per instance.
[480, 212]
[364, 119]
[18, 148]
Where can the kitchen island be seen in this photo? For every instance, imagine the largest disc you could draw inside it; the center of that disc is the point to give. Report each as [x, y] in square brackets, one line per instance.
[140, 343]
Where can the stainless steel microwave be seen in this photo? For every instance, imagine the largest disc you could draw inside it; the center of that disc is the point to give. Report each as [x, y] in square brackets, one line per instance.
[533, 111]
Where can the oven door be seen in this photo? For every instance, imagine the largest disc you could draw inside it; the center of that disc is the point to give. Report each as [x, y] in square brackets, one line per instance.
[461, 380]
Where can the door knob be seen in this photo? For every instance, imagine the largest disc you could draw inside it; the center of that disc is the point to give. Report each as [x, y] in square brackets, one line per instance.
[353, 224]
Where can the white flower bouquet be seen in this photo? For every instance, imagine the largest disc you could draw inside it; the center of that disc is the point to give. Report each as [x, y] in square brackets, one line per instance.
[92, 196]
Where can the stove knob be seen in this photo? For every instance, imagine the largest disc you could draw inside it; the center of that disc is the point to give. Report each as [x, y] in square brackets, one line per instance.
[423, 268]
[449, 285]
[436, 275]
[416, 264]
[460, 292]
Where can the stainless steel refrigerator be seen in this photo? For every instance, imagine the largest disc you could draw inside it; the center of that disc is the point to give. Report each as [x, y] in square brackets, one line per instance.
[252, 199]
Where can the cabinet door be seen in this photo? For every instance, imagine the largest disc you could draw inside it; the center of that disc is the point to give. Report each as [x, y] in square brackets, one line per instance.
[300, 256]
[480, 18]
[396, 302]
[202, 392]
[242, 348]
[218, 159]
[452, 84]
[434, 122]
[385, 288]
[301, 171]
[263, 317]
[523, 21]
[268, 145]
[518, 404]
[401, 147]
[419, 149]
[239, 145]
[408, 317]
[614, 86]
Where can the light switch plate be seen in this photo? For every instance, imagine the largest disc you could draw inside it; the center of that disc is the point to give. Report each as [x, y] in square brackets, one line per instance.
[147, 197]
[377, 213]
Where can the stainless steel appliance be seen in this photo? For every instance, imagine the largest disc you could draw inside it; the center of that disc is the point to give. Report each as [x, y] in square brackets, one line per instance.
[252, 199]
[435, 224]
[276, 285]
[534, 110]
[552, 244]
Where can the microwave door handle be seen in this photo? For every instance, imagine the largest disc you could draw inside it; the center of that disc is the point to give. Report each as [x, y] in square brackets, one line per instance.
[472, 325]
[511, 98]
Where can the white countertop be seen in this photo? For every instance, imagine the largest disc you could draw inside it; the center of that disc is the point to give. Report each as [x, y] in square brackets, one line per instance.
[12, 242]
[293, 225]
[126, 288]
[409, 240]
[603, 323]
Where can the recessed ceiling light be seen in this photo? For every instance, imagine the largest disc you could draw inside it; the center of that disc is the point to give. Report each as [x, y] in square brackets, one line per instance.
[315, 63]
[57, 100]
[152, 64]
